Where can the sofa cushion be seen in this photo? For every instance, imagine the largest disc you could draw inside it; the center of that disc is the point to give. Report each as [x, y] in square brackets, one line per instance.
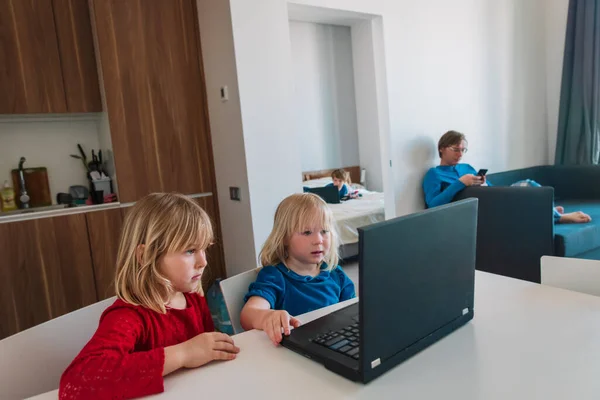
[573, 239]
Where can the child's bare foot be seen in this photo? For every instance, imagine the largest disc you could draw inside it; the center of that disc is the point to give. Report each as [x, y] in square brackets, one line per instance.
[576, 217]
[560, 209]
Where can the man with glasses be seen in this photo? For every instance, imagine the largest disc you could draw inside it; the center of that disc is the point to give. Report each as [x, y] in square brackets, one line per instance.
[443, 182]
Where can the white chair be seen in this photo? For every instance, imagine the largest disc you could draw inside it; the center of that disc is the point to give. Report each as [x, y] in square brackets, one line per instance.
[571, 273]
[32, 361]
[234, 289]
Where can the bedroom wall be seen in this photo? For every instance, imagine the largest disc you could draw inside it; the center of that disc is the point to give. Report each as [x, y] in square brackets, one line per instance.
[372, 107]
[324, 104]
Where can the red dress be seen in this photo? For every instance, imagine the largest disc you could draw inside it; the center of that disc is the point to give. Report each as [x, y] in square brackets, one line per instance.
[125, 357]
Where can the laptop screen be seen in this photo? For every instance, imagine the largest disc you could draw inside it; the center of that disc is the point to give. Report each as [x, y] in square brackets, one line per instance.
[416, 276]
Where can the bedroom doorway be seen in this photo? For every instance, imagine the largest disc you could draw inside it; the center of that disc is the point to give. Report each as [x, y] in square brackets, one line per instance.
[342, 111]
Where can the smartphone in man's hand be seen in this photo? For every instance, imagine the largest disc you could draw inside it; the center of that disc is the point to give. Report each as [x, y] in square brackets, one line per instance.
[482, 172]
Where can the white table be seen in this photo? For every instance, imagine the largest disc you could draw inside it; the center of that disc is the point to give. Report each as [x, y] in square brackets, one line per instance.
[526, 341]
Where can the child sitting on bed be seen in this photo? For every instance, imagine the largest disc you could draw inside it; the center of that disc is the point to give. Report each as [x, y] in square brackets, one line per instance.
[341, 180]
[300, 271]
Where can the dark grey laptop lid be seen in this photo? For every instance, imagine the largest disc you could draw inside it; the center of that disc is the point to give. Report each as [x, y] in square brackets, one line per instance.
[330, 194]
[416, 276]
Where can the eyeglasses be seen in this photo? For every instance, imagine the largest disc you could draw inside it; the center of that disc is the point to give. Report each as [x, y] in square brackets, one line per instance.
[459, 149]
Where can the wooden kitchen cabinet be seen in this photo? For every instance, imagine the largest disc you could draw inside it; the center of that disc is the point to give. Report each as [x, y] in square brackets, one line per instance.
[78, 61]
[47, 52]
[104, 230]
[55, 265]
[30, 72]
[155, 96]
[46, 271]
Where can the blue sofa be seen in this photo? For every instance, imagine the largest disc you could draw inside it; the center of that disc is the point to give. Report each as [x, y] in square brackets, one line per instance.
[515, 224]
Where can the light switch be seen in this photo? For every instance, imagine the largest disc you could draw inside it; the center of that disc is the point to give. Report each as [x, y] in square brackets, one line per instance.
[234, 193]
[224, 93]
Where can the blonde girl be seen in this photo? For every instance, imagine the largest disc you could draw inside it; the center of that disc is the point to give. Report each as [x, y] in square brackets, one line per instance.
[300, 271]
[160, 321]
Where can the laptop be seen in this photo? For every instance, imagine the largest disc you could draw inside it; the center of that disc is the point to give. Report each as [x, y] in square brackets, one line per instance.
[416, 286]
[330, 194]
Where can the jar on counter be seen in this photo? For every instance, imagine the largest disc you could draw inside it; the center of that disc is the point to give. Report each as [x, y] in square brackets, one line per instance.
[7, 197]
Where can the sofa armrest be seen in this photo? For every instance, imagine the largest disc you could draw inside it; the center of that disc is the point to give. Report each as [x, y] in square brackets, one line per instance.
[539, 174]
[515, 228]
[576, 182]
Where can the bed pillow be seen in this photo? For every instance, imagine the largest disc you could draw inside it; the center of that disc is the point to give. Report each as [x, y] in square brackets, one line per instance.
[313, 183]
[357, 186]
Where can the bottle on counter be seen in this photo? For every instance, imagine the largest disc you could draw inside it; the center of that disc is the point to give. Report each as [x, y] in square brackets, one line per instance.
[7, 197]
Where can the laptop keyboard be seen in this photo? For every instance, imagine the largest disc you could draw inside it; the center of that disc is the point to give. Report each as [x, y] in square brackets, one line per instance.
[343, 341]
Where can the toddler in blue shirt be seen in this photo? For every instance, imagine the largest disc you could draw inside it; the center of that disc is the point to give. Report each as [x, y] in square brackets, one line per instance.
[341, 180]
[300, 271]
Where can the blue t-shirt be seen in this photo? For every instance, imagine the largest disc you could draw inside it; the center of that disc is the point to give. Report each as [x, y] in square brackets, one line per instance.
[286, 290]
[442, 183]
[343, 191]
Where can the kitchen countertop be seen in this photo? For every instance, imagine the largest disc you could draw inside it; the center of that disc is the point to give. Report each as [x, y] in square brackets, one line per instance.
[57, 212]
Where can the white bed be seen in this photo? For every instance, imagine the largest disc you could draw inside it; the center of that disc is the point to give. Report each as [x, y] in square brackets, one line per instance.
[352, 214]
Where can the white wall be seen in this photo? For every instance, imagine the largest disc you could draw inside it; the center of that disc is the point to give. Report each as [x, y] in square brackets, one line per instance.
[47, 141]
[556, 27]
[265, 78]
[470, 65]
[478, 66]
[371, 135]
[324, 95]
[227, 135]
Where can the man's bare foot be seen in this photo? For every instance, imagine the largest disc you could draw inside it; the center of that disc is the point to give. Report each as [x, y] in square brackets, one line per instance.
[560, 209]
[576, 217]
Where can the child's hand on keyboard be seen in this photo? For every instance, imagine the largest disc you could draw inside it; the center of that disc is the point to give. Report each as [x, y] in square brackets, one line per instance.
[277, 322]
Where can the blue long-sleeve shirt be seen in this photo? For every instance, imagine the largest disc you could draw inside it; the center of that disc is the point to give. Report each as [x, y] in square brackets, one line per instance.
[442, 183]
[286, 290]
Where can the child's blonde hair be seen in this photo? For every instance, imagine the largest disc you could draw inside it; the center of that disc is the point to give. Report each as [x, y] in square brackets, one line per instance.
[342, 175]
[294, 214]
[163, 223]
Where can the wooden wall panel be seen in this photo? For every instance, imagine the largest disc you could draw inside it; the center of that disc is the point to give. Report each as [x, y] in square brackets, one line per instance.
[215, 255]
[78, 61]
[104, 229]
[46, 271]
[155, 96]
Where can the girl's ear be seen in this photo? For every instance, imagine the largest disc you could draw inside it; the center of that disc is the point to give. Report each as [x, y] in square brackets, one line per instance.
[285, 251]
[139, 253]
